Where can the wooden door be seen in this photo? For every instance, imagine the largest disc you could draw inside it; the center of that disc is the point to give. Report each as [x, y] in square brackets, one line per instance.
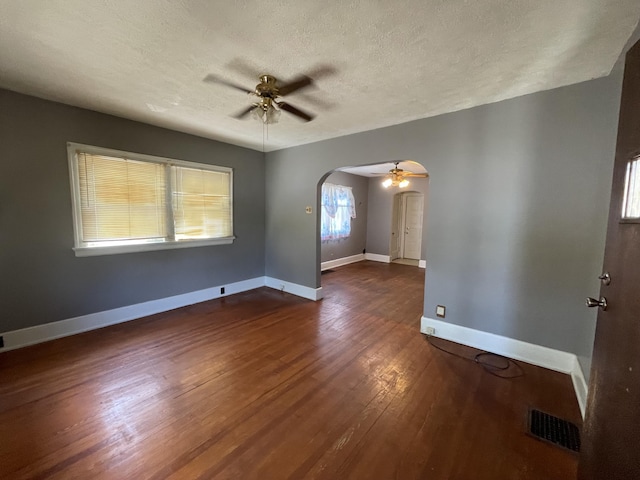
[611, 433]
[412, 223]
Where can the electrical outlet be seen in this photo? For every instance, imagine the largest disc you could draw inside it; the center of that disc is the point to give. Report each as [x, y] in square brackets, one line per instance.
[430, 331]
[221, 290]
[440, 311]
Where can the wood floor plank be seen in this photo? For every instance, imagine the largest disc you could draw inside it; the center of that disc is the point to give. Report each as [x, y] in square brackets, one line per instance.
[266, 385]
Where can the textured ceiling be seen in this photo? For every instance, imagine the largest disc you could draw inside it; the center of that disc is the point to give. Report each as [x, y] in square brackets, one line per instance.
[381, 169]
[394, 61]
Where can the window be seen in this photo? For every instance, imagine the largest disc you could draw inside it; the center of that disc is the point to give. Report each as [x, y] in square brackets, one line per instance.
[631, 198]
[124, 202]
[338, 207]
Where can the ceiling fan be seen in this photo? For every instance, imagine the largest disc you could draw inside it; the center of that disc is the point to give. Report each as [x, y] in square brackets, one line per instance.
[266, 105]
[397, 177]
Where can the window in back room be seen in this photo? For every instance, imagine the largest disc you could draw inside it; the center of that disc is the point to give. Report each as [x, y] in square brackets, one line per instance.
[338, 208]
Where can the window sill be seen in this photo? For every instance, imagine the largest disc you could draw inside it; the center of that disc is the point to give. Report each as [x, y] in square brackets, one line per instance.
[148, 247]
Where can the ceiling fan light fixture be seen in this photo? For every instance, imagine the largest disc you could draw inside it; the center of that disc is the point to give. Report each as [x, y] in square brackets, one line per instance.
[267, 114]
[387, 183]
[271, 116]
[404, 183]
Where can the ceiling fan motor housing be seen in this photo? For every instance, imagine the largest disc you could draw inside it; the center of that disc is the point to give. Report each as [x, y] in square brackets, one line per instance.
[267, 87]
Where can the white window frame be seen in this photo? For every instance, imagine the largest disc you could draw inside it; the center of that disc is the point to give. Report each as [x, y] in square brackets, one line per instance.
[82, 250]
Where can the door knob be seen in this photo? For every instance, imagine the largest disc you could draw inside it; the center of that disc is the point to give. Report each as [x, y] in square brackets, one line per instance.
[605, 278]
[592, 302]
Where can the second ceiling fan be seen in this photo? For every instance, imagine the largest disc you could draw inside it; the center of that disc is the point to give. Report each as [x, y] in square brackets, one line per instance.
[397, 177]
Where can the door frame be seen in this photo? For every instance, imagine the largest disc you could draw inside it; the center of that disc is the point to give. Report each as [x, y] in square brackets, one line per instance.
[398, 223]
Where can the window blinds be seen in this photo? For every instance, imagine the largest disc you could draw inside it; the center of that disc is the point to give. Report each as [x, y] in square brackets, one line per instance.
[201, 203]
[124, 200]
[121, 199]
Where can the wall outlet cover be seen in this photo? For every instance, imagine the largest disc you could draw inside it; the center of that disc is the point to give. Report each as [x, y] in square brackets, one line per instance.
[441, 310]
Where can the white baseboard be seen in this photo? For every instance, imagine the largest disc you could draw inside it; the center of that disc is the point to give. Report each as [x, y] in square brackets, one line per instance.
[580, 386]
[557, 360]
[422, 263]
[294, 288]
[338, 262]
[377, 258]
[70, 326]
[527, 352]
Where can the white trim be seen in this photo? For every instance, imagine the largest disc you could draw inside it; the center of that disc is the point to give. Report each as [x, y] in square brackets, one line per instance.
[527, 352]
[580, 386]
[377, 258]
[70, 326]
[422, 263]
[545, 357]
[63, 328]
[148, 247]
[338, 262]
[294, 288]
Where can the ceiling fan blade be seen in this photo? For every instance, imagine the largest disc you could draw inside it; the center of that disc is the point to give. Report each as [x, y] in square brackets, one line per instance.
[321, 71]
[245, 112]
[300, 82]
[297, 112]
[214, 79]
[244, 67]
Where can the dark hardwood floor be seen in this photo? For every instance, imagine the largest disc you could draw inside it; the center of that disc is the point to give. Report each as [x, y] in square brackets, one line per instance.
[265, 385]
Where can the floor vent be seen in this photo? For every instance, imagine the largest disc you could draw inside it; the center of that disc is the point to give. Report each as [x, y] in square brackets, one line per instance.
[554, 430]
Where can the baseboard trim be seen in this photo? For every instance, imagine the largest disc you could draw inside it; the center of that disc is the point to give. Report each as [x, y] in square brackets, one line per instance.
[294, 288]
[338, 262]
[527, 352]
[377, 258]
[422, 263]
[580, 386]
[545, 357]
[71, 326]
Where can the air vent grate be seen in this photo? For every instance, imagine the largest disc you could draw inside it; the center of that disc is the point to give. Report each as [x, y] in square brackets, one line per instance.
[554, 430]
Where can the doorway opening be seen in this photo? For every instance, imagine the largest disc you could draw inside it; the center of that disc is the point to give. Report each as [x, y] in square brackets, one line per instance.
[405, 243]
[388, 220]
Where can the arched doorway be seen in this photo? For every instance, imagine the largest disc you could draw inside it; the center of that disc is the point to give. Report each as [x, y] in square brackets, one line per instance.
[377, 207]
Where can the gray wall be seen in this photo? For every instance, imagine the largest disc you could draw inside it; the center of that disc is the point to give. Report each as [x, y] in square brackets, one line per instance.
[356, 242]
[42, 281]
[381, 213]
[518, 200]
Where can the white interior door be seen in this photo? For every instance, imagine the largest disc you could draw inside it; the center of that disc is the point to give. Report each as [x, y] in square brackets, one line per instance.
[412, 225]
[396, 227]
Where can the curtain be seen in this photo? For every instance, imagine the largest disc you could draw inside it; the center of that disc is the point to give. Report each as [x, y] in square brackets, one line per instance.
[338, 208]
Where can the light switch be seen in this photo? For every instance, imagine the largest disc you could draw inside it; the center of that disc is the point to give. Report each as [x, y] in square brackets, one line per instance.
[308, 210]
[440, 310]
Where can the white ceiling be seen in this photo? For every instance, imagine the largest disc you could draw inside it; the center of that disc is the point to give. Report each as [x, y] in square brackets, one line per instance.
[381, 169]
[394, 61]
